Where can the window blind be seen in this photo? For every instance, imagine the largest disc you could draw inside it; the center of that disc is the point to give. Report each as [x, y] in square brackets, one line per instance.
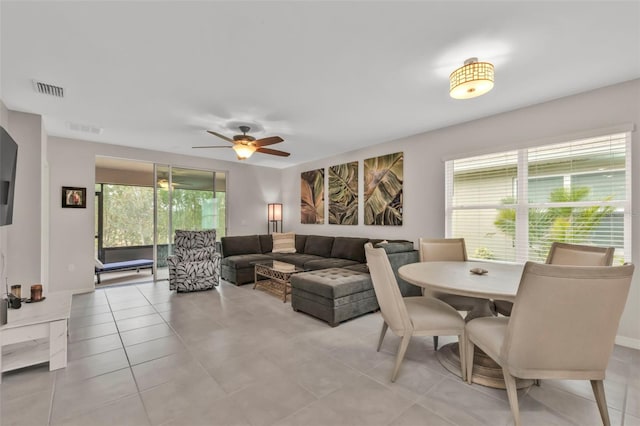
[510, 206]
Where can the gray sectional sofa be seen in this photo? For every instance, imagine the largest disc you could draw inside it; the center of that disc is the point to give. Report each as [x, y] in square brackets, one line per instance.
[337, 285]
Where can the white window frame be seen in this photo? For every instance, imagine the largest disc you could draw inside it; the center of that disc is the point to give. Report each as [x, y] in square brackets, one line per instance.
[522, 205]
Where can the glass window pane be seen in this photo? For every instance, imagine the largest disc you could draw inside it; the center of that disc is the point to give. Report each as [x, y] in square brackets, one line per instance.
[542, 188]
[486, 179]
[128, 216]
[164, 233]
[488, 233]
[602, 186]
[220, 221]
[592, 169]
[195, 204]
[565, 177]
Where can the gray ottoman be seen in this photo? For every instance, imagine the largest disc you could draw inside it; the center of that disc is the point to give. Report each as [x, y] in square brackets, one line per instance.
[333, 295]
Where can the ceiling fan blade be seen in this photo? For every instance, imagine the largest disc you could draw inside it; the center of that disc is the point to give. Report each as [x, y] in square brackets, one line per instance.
[220, 136]
[268, 141]
[210, 147]
[273, 152]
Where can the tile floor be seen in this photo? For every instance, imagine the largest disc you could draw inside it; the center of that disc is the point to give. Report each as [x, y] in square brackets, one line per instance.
[142, 355]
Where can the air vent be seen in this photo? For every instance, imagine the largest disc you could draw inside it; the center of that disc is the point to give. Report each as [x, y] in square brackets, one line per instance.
[48, 89]
[85, 128]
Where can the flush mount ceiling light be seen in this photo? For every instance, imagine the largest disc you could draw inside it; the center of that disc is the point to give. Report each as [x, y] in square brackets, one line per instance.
[471, 80]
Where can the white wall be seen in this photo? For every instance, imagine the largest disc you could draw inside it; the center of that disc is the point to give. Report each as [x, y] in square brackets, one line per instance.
[72, 163]
[24, 260]
[4, 122]
[424, 168]
[63, 238]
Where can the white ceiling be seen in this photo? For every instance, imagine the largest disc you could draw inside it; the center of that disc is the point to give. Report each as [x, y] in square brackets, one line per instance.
[328, 77]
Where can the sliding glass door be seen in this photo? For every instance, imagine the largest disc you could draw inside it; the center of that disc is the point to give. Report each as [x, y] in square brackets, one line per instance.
[187, 199]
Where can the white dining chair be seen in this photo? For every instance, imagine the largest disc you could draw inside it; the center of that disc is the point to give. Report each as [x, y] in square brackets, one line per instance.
[410, 316]
[453, 250]
[571, 338]
[568, 254]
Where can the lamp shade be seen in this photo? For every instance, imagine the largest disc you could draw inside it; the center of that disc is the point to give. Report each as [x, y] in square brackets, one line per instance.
[471, 80]
[244, 151]
[275, 212]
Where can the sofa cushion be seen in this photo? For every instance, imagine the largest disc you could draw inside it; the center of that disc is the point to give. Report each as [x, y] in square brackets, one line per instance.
[328, 263]
[301, 240]
[241, 261]
[298, 293]
[360, 267]
[298, 259]
[266, 243]
[349, 248]
[332, 283]
[396, 247]
[284, 242]
[319, 245]
[248, 244]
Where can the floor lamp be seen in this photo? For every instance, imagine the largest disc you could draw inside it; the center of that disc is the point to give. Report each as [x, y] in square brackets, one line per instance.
[274, 217]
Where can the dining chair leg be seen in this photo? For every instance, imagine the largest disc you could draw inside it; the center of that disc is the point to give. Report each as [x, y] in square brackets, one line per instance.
[598, 392]
[382, 333]
[404, 343]
[435, 343]
[512, 394]
[469, 349]
[462, 349]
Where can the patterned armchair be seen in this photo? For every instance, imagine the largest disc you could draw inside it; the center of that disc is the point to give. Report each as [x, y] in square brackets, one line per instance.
[195, 264]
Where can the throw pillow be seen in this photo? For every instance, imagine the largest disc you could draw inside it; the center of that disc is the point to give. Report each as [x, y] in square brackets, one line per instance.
[99, 264]
[284, 242]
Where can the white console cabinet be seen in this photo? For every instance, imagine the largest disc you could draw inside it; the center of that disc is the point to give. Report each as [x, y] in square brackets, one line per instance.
[36, 333]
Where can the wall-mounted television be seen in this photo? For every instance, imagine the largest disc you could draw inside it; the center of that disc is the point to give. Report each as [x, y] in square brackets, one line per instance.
[8, 161]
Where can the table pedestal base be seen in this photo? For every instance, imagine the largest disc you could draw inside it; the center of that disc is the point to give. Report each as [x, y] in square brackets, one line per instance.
[485, 370]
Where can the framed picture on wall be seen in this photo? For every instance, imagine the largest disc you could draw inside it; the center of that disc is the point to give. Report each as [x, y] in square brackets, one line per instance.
[74, 197]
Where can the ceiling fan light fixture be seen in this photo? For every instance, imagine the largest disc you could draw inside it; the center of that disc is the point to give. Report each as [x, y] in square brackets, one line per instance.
[244, 151]
[471, 80]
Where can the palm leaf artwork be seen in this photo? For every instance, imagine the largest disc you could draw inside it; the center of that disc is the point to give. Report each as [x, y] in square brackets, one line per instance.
[383, 178]
[312, 196]
[343, 194]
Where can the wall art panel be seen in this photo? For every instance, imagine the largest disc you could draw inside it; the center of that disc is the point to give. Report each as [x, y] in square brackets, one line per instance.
[312, 196]
[383, 181]
[343, 194]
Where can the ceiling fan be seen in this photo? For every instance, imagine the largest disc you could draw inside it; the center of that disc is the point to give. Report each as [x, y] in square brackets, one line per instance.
[245, 145]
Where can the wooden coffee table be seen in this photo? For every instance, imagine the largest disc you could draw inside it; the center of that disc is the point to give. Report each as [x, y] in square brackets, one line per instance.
[278, 276]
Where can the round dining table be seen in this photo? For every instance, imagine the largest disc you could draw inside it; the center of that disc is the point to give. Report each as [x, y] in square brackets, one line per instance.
[499, 282]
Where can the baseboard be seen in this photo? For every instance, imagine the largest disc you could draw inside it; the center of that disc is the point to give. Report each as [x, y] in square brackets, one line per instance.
[83, 290]
[628, 342]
